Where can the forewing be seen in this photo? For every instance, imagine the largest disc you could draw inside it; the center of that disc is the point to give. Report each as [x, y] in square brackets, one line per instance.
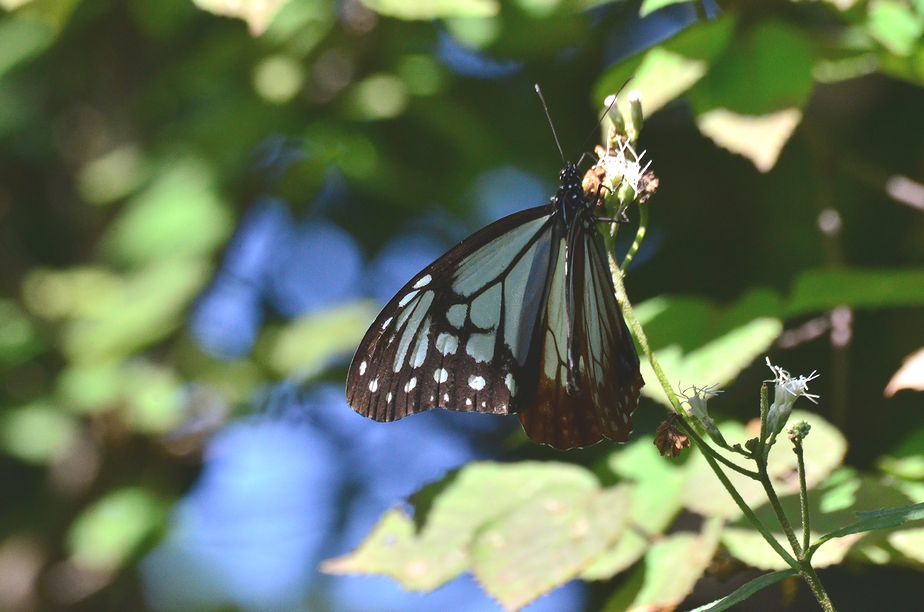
[458, 335]
[607, 380]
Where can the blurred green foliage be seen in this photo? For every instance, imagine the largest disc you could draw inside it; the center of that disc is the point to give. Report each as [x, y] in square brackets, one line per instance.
[127, 136]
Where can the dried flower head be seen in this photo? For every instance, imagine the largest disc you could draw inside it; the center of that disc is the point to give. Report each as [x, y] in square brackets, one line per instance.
[669, 440]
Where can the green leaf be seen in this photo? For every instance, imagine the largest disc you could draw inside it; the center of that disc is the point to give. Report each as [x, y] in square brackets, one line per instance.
[887, 518]
[745, 591]
[22, 39]
[671, 569]
[258, 14]
[895, 26]
[760, 138]
[433, 9]
[143, 309]
[38, 432]
[19, 340]
[824, 451]
[697, 345]
[821, 290]
[766, 69]
[110, 531]
[547, 541]
[178, 215]
[751, 100]
[829, 507]
[907, 459]
[307, 345]
[650, 6]
[424, 559]
[909, 542]
[668, 70]
[655, 502]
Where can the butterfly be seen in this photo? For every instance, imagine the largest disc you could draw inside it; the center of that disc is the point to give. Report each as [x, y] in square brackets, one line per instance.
[519, 318]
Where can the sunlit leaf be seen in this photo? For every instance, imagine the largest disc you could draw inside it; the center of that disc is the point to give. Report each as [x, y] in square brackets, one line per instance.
[824, 450]
[909, 542]
[258, 14]
[307, 345]
[655, 502]
[147, 307]
[667, 71]
[909, 376]
[670, 570]
[89, 387]
[748, 545]
[111, 530]
[650, 6]
[547, 541]
[751, 100]
[19, 340]
[698, 346]
[424, 559]
[22, 39]
[178, 215]
[906, 460]
[153, 401]
[821, 290]
[895, 25]
[759, 138]
[745, 591]
[37, 432]
[433, 9]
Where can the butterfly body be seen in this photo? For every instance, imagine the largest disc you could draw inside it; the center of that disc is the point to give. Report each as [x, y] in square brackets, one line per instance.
[519, 318]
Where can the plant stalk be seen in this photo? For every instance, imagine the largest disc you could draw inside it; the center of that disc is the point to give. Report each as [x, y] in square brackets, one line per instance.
[803, 496]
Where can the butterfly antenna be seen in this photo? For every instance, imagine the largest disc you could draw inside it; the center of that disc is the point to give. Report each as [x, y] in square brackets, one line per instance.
[545, 107]
[609, 107]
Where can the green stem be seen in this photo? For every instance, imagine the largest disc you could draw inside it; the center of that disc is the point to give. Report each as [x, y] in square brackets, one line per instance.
[814, 582]
[703, 446]
[803, 496]
[639, 236]
[642, 339]
[778, 507]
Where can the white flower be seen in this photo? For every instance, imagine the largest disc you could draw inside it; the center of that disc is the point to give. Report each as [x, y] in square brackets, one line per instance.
[623, 164]
[787, 389]
[695, 398]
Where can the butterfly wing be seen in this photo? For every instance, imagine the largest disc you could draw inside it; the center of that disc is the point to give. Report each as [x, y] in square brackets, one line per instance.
[459, 335]
[607, 380]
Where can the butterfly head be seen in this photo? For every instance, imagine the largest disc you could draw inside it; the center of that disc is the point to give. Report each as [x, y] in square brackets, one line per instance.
[570, 196]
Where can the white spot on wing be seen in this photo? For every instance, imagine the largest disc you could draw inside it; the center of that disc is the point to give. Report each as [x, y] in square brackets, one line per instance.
[423, 282]
[414, 317]
[374, 385]
[480, 347]
[407, 298]
[441, 375]
[511, 384]
[362, 368]
[485, 311]
[410, 384]
[420, 349]
[388, 398]
[386, 322]
[456, 315]
[446, 343]
[476, 382]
